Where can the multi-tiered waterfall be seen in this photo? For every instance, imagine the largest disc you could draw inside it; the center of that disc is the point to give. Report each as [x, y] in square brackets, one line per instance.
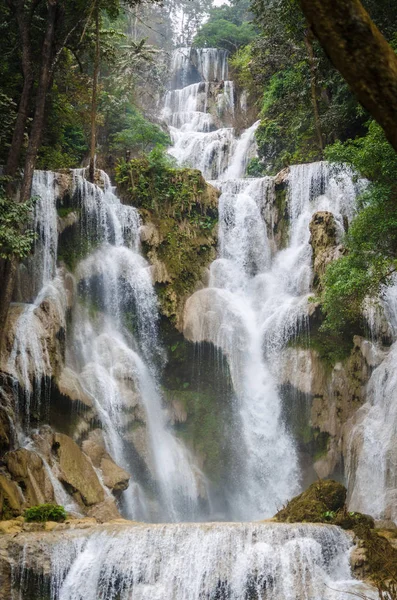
[255, 302]
[257, 298]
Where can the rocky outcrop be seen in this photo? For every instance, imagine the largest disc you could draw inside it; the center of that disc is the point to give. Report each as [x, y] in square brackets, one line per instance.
[113, 476]
[322, 497]
[333, 393]
[324, 243]
[11, 497]
[28, 470]
[77, 472]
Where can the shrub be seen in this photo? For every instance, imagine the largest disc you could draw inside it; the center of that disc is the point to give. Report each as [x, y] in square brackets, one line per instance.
[45, 512]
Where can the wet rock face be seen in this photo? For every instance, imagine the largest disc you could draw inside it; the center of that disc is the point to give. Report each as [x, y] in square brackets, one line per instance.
[27, 469]
[329, 394]
[11, 498]
[324, 243]
[114, 477]
[77, 472]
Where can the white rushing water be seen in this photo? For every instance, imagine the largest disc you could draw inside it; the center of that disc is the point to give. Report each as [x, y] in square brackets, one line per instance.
[199, 562]
[257, 298]
[117, 364]
[371, 447]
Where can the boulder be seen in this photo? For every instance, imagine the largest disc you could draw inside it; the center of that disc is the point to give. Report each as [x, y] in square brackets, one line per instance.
[11, 498]
[113, 476]
[105, 511]
[28, 470]
[69, 385]
[77, 472]
[312, 506]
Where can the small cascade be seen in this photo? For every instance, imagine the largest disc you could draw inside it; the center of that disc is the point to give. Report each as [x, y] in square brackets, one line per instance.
[29, 360]
[371, 449]
[200, 109]
[44, 190]
[197, 562]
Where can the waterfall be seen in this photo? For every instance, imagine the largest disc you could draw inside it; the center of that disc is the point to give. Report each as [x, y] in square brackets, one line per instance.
[371, 448]
[257, 297]
[116, 358]
[197, 562]
[112, 344]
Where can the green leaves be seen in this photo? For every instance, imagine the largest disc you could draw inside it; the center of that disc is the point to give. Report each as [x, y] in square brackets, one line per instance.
[371, 241]
[45, 512]
[16, 238]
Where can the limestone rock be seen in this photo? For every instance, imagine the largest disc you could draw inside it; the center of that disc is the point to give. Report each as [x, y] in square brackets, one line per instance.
[11, 499]
[5, 431]
[105, 511]
[114, 477]
[69, 385]
[27, 468]
[282, 177]
[324, 243]
[64, 222]
[77, 472]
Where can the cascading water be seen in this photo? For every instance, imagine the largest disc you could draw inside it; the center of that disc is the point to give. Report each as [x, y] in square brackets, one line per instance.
[257, 297]
[197, 562]
[255, 302]
[371, 449]
[117, 364]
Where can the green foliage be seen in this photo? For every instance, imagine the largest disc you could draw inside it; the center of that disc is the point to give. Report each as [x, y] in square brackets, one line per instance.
[220, 33]
[183, 209]
[45, 512]
[284, 70]
[138, 134]
[227, 27]
[16, 237]
[371, 242]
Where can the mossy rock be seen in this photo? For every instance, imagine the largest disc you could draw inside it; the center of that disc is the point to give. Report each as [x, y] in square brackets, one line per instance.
[352, 520]
[316, 504]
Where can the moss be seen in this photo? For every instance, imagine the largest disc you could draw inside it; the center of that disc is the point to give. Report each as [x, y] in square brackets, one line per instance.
[183, 209]
[381, 559]
[331, 348]
[74, 246]
[64, 211]
[281, 228]
[198, 379]
[312, 505]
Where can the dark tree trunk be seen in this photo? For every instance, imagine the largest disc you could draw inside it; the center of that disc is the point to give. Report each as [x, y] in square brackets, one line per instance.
[41, 97]
[94, 102]
[14, 154]
[361, 54]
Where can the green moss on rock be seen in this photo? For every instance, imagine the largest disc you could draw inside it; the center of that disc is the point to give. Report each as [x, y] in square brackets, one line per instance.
[181, 214]
[322, 497]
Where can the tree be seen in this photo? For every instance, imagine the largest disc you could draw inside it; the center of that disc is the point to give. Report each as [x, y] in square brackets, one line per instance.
[45, 28]
[361, 54]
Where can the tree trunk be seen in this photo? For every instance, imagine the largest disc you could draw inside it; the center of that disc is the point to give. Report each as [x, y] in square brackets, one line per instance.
[10, 268]
[313, 84]
[41, 97]
[94, 102]
[14, 154]
[361, 54]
